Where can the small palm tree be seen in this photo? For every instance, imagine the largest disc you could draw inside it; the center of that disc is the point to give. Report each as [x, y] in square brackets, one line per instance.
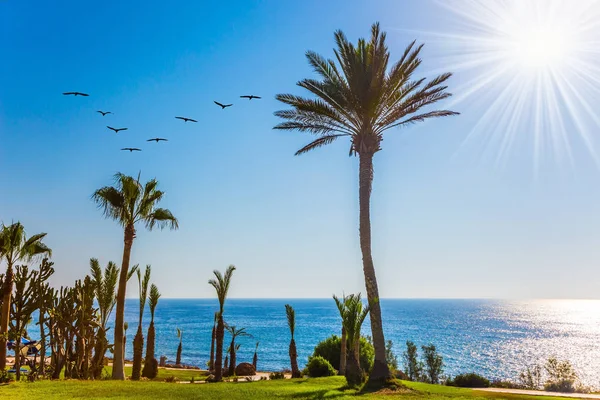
[150, 364]
[354, 316]
[138, 340]
[221, 284]
[129, 203]
[360, 98]
[235, 333]
[291, 319]
[14, 247]
[105, 284]
[179, 348]
[211, 363]
[255, 358]
[341, 306]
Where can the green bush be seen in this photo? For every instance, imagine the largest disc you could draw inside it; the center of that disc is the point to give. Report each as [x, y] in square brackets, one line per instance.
[331, 348]
[470, 380]
[318, 366]
[276, 375]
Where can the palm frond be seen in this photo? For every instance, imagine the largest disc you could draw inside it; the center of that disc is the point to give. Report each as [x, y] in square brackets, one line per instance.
[291, 318]
[153, 298]
[162, 218]
[322, 141]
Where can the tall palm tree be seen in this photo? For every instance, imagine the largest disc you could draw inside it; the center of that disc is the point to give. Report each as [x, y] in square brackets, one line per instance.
[150, 363]
[354, 316]
[221, 284]
[138, 340]
[291, 319]
[235, 333]
[255, 358]
[361, 97]
[211, 363]
[341, 306]
[14, 247]
[180, 347]
[129, 202]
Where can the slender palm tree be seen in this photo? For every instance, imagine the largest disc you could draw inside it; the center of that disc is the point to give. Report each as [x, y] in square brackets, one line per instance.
[150, 364]
[130, 202]
[105, 285]
[211, 363]
[221, 284]
[341, 306]
[14, 247]
[291, 319]
[180, 347]
[235, 333]
[138, 340]
[354, 316]
[255, 358]
[361, 97]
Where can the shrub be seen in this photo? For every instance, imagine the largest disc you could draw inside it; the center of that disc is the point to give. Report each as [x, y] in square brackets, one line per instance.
[276, 375]
[561, 376]
[318, 366]
[330, 349]
[470, 380]
[505, 384]
[171, 379]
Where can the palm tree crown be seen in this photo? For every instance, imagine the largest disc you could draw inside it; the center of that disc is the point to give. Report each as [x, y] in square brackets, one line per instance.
[291, 318]
[15, 246]
[105, 285]
[221, 285]
[153, 299]
[129, 202]
[143, 288]
[360, 97]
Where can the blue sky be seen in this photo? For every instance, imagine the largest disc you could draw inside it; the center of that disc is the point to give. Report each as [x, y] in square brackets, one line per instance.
[445, 223]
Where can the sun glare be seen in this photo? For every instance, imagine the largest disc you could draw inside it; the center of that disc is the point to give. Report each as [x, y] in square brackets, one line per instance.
[529, 69]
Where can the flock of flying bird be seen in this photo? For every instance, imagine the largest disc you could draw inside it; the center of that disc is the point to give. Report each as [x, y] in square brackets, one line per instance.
[156, 139]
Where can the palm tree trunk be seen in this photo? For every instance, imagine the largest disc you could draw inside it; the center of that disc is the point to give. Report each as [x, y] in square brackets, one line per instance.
[380, 372]
[343, 352]
[211, 363]
[232, 358]
[138, 350]
[18, 357]
[294, 359]
[118, 371]
[5, 314]
[219, 351]
[150, 361]
[353, 371]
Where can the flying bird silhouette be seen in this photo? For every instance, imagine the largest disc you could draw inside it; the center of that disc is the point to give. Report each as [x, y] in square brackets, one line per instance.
[223, 106]
[157, 139]
[131, 149]
[116, 129]
[75, 94]
[186, 119]
[250, 97]
[104, 112]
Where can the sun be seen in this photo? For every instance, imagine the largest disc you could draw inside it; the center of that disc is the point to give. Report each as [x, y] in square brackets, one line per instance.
[528, 73]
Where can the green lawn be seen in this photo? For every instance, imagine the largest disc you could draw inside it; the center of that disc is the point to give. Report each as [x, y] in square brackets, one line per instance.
[181, 374]
[318, 388]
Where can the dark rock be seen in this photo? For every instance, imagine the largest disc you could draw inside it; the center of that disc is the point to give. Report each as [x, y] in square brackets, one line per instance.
[245, 369]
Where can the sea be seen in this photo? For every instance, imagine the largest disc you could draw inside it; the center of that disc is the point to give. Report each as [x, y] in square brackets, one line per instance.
[495, 338]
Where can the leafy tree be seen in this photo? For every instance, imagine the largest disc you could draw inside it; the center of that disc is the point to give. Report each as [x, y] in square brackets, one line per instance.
[434, 364]
[361, 97]
[179, 348]
[150, 364]
[390, 357]
[221, 284]
[15, 247]
[330, 349]
[129, 202]
[531, 378]
[291, 319]
[235, 333]
[138, 340]
[412, 367]
[561, 376]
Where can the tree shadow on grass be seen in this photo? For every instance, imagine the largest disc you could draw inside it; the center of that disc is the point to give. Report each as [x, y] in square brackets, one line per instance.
[318, 394]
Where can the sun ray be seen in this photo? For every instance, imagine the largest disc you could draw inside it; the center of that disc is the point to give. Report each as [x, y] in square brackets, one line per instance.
[529, 70]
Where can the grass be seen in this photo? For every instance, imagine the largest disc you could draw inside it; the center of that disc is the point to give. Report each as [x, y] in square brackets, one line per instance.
[297, 389]
[181, 374]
